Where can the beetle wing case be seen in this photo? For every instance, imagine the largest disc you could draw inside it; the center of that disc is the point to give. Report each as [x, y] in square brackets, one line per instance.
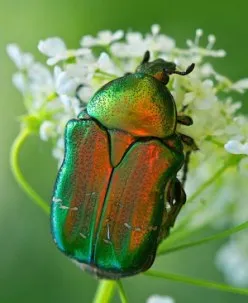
[109, 218]
[80, 188]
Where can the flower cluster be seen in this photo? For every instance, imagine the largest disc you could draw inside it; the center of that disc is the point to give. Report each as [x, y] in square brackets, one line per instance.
[57, 91]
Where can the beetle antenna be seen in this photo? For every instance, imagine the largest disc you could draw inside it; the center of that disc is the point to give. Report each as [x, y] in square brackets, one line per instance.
[146, 57]
[188, 70]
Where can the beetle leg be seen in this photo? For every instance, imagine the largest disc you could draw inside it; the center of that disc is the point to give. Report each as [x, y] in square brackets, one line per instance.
[183, 109]
[170, 192]
[189, 142]
[185, 168]
[82, 103]
[179, 197]
[184, 119]
[176, 197]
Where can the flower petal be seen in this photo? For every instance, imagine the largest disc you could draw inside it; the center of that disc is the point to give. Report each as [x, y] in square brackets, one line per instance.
[52, 46]
[234, 147]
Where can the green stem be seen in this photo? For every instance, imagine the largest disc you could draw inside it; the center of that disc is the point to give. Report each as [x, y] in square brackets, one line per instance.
[217, 236]
[122, 293]
[14, 155]
[105, 291]
[196, 282]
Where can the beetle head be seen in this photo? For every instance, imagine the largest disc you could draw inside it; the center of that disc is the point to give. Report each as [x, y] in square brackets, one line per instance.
[160, 69]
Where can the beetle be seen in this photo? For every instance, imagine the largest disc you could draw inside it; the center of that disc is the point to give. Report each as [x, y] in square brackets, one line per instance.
[117, 193]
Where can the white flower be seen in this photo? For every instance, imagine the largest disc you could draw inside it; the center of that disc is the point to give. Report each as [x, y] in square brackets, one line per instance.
[55, 48]
[71, 107]
[241, 86]
[79, 71]
[103, 38]
[40, 79]
[232, 258]
[20, 81]
[52, 46]
[236, 147]
[106, 64]
[161, 43]
[160, 299]
[85, 93]
[64, 84]
[202, 94]
[22, 60]
[135, 46]
[47, 130]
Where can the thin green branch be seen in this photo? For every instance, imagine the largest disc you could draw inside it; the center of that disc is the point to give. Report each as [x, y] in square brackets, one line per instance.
[14, 156]
[214, 237]
[197, 282]
[122, 293]
[105, 291]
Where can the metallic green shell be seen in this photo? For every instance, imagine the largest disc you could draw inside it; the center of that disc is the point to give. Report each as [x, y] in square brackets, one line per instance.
[109, 216]
[138, 104]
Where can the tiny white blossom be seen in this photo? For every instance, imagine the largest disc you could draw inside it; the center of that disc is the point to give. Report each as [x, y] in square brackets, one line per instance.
[64, 84]
[232, 258]
[22, 60]
[79, 71]
[133, 47]
[47, 130]
[40, 79]
[103, 38]
[241, 86]
[84, 93]
[202, 94]
[71, 107]
[236, 147]
[19, 80]
[52, 46]
[55, 48]
[160, 299]
[106, 64]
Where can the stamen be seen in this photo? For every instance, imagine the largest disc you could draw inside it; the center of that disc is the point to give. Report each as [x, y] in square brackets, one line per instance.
[211, 41]
[198, 34]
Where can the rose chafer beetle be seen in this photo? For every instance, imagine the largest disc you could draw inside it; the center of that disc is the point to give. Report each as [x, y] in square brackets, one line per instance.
[117, 194]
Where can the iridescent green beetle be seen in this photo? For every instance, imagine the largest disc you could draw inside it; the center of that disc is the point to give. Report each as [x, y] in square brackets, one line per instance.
[117, 195]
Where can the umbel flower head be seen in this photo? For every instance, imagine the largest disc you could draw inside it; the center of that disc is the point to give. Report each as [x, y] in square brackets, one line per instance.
[216, 186]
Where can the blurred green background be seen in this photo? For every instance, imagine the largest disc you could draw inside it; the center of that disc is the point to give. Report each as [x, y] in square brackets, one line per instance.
[31, 268]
